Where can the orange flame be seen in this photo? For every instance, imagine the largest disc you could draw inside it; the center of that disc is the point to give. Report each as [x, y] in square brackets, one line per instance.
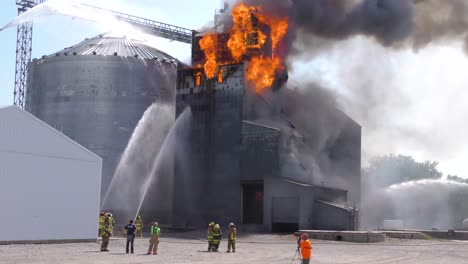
[247, 40]
[241, 16]
[220, 75]
[208, 45]
[198, 79]
[279, 27]
[245, 33]
[261, 71]
[236, 45]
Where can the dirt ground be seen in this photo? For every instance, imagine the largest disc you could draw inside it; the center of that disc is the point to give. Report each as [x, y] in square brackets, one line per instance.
[264, 248]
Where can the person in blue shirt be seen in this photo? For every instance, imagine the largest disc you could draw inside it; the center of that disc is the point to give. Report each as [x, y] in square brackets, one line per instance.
[131, 228]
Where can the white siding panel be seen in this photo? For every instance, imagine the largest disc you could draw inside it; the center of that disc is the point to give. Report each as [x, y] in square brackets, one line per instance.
[44, 198]
[22, 132]
[49, 185]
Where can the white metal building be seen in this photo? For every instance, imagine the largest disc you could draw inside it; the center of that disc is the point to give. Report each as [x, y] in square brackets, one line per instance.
[49, 184]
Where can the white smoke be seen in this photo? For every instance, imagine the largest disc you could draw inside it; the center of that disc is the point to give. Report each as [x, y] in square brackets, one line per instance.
[79, 9]
[407, 102]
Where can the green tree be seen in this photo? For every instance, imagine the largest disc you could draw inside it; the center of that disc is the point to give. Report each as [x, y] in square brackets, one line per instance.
[456, 179]
[386, 170]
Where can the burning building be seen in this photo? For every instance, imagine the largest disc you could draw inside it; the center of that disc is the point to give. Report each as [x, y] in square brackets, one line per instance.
[254, 152]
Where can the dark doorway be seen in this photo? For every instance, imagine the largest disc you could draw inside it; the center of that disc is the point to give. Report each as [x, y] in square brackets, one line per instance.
[284, 227]
[252, 204]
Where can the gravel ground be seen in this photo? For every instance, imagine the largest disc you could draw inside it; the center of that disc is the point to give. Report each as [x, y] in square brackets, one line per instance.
[265, 248]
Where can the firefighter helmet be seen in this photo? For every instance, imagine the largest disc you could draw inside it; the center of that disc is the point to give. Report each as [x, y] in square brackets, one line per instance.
[216, 226]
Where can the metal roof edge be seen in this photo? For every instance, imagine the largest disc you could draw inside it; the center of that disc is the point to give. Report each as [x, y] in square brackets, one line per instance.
[311, 185]
[343, 206]
[26, 113]
[261, 125]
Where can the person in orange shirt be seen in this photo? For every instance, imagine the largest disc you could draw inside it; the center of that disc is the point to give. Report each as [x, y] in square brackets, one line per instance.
[306, 248]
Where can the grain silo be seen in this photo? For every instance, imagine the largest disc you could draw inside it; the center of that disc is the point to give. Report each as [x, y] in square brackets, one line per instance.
[95, 92]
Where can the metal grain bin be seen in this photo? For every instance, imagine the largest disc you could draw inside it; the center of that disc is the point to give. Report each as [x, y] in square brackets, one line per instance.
[96, 92]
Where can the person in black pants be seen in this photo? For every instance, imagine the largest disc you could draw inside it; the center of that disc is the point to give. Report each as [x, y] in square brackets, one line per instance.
[130, 235]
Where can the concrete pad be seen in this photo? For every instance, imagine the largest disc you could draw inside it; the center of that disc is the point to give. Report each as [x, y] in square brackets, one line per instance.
[447, 234]
[404, 234]
[51, 241]
[348, 236]
[258, 249]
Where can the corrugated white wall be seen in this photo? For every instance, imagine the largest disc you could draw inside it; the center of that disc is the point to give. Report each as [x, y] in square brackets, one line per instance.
[49, 185]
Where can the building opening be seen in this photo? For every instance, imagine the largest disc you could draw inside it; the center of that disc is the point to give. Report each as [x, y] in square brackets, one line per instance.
[252, 204]
[284, 227]
[285, 214]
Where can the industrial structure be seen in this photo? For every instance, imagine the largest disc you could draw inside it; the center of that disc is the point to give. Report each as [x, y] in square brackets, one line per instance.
[249, 157]
[236, 164]
[50, 185]
[23, 52]
[96, 91]
[24, 41]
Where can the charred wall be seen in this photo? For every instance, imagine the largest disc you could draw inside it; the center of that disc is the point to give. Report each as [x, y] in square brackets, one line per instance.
[236, 140]
[207, 176]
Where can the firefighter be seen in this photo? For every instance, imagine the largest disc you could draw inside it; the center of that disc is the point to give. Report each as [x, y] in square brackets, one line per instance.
[216, 237]
[111, 222]
[139, 227]
[306, 248]
[210, 235]
[102, 216]
[154, 241]
[105, 233]
[232, 235]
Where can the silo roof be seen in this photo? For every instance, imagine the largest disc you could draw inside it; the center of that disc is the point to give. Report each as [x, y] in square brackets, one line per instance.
[114, 46]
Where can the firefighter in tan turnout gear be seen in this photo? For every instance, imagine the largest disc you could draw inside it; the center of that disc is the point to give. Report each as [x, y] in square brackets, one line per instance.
[232, 236]
[105, 233]
[111, 222]
[216, 238]
[210, 235]
[102, 216]
[139, 226]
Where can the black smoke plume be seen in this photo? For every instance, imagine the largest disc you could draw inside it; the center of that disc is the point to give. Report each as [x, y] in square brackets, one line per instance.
[392, 23]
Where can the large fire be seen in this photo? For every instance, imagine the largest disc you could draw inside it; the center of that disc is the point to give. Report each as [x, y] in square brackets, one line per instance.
[208, 45]
[254, 37]
[261, 71]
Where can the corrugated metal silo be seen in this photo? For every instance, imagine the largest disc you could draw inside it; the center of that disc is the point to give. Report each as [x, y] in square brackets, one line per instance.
[96, 92]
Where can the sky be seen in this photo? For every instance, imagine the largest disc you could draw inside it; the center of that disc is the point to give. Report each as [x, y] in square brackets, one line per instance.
[55, 32]
[407, 102]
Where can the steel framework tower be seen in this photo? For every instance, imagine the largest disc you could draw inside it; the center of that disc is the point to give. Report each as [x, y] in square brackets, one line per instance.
[23, 52]
[24, 41]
